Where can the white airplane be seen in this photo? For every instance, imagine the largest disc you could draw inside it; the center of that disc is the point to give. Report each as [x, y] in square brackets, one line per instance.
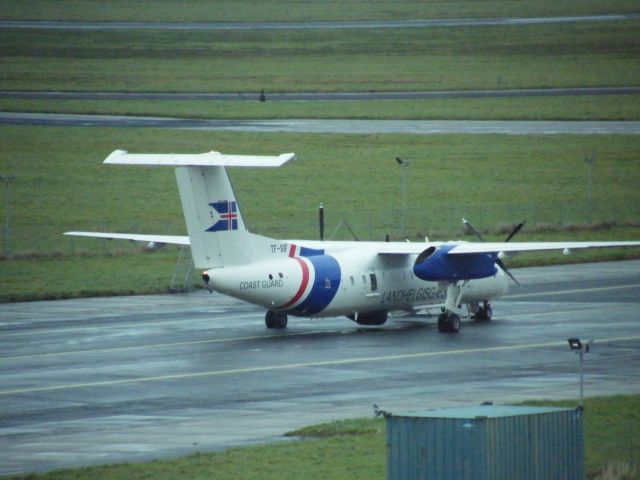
[363, 281]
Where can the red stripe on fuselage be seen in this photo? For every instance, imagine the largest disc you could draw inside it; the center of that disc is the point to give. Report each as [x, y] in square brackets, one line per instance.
[303, 283]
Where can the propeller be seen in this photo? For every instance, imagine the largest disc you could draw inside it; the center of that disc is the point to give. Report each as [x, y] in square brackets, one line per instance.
[499, 261]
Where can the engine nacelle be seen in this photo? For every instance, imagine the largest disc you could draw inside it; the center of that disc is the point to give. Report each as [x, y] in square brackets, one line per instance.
[482, 289]
[436, 265]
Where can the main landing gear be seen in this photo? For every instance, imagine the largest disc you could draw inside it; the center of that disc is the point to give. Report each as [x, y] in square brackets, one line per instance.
[484, 312]
[449, 320]
[275, 319]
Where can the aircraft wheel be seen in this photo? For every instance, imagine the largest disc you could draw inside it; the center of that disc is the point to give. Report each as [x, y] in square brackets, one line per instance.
[454, 323]
[484, 313]
[275, 319]
[448, 323]
[442, 323]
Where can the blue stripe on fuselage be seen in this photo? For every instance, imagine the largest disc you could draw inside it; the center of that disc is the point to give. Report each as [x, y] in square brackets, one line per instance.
[325, 285]
[310, 252]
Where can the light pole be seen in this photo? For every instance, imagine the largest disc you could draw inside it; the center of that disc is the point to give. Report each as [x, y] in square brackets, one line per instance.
[6, 181]
[590, 160]
[404, 164]
[321, 220]
[580, 348]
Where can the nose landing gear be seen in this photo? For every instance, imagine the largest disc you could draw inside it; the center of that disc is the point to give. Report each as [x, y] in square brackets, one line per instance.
[449, 322]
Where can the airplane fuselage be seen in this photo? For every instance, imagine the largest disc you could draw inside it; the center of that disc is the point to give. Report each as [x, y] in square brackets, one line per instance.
[352, 281]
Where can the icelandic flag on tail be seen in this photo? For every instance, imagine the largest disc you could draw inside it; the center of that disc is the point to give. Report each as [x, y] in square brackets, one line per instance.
[225, 215]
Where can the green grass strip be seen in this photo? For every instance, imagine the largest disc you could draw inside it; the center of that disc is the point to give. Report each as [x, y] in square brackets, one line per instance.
[284, 10]
[606, 107]
[355, 449]
[530, 56]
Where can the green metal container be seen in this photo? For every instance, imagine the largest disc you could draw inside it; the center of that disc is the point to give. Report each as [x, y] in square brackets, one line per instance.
[486, 443]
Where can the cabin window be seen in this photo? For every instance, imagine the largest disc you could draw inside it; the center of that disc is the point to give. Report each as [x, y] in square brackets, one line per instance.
[374, 282]
[270, 277]
[280, 275]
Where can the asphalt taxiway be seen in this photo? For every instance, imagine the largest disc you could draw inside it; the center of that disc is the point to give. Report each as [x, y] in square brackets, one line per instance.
[415, 127]
[129, 378]
[336, 25]
[323, 96]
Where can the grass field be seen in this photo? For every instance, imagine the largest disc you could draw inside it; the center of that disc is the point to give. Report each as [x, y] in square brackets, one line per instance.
[355, 449]
[506, 179]
[292, 10]
[607, 107]
[586, 54]
[62, 185]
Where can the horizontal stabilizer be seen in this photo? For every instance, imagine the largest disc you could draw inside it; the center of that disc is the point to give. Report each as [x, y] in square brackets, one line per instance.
[169, 239]
[211, 159]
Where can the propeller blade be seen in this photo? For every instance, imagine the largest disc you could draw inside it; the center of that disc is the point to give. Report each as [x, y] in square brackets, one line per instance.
[498, 260]
[472, 229]
[516, 230]
[506, 270]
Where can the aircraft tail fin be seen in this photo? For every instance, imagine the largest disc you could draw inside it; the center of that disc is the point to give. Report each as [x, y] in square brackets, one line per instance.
[217, 233]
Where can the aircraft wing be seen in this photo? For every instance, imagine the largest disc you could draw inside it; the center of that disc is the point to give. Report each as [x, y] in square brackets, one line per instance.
[465, 248]
[394, 248]
[157, 239]
[381, 248]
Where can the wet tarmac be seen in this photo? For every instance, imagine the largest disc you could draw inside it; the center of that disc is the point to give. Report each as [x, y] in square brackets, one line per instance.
[131, 378]
[413, 127]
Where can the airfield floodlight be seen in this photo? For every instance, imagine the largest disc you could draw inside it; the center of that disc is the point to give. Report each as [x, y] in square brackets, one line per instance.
[580, 348]
[321, 220]
[403, 193]
[590, 160]
[575, 343]
[7, 180]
